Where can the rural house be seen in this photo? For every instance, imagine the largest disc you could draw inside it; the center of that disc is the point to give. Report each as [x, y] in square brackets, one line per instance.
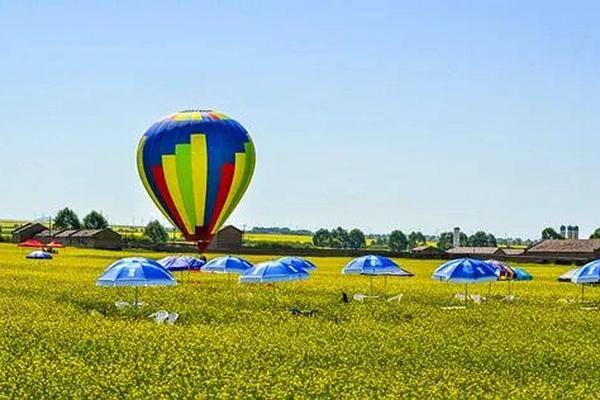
[566, 250]
[475, 252]
[513, 252]
[91, 238]
[425, 251]
[228, 238]
[27, 231]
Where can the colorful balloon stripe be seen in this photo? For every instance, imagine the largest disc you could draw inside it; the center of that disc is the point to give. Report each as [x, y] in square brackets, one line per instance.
[224, 187]
[144, 177]
[184, 172]
[161, 183]
[240, 164]
[196, 166]
[193, 115]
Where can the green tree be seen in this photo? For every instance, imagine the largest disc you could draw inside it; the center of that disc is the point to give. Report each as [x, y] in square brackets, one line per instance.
[156, 232]
[357, 239]
[550, 233]
[340, 238]
[322, 238]
[482, 239]
[95, 220]
[381, 240]
[66, 219]
[596, 234]
[416, 239]
[446, 239]
[397, 241]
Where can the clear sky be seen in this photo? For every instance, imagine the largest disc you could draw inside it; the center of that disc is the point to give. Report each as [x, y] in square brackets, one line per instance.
[378, 115]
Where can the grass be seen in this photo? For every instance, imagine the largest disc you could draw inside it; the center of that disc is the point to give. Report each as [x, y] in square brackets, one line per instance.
[284, 238]
[62, 337]
[278, 238]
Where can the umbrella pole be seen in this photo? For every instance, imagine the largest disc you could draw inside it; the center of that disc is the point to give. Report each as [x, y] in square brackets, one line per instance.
[466, 295]
[385, 283]
[490, 290]
[582, 289]
[135, 298]
[371, 285]
[509, 286]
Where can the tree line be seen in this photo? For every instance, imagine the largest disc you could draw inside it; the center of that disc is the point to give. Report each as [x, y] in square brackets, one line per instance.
[280, 230]
[68, 219]
[339, 238]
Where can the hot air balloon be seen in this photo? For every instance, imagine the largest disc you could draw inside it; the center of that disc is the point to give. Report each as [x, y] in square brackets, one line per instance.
[196, 166]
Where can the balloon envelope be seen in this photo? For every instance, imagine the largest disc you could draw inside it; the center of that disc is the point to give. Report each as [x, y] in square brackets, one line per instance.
[196, 166]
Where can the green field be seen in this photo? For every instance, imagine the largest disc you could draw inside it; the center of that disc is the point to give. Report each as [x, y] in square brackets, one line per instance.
[62, 337]
[278, 238]
[283, 238]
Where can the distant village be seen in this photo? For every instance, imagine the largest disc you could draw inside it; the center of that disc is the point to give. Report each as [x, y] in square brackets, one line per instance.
[562, 246]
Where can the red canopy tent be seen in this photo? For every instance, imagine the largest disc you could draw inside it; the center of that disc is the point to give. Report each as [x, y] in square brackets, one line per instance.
[31, 243]
[55, 245]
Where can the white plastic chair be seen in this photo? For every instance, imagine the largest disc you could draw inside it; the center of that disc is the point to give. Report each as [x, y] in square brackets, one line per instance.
[453, 308]
[363, 297]
[96, 313]
[160, 316]
[396, 298]
[121, 304]
[477, 298]
[460, 296]
[172, 318]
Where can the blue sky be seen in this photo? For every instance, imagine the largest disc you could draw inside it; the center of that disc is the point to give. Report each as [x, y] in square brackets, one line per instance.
[379, 115]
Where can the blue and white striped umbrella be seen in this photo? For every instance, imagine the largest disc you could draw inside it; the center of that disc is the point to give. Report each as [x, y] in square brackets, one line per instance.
[136, 271]
[39, 255]
[521, 275]
[374, 266]
[465, 270]
[567, 276]
[181, 263]
[589, 273]
[298, 263]
[273, 272]
[227, 265]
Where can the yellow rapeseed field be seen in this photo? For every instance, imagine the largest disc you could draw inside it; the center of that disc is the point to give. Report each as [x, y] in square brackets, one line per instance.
[62, 337]
[276, 237]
